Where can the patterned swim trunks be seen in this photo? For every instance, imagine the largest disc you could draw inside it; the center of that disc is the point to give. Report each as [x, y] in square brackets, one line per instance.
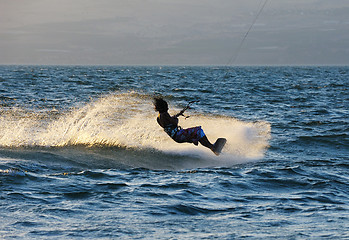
[191, 135]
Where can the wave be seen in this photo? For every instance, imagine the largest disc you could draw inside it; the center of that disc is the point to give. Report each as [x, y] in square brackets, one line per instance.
[328, 139]
[124, 124]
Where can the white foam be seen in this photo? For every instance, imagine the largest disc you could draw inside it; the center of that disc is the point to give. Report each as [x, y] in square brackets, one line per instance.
[129, 120]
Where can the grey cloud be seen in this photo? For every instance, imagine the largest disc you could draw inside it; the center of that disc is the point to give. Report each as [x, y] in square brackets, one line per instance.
[176, 32]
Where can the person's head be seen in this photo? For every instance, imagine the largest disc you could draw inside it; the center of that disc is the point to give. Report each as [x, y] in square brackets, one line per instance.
[160, 105]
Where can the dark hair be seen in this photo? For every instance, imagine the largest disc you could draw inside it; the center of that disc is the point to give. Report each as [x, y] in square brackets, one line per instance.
[160, 105]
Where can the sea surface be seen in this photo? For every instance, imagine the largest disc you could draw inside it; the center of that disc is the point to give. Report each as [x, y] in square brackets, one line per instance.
[82, 156]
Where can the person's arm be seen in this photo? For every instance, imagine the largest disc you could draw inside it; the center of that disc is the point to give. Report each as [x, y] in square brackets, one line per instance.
[173, 119]
[184, 109]
[180, 113]
[165, 119]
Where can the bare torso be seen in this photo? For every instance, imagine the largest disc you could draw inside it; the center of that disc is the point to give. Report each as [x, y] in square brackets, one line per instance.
[164, 119]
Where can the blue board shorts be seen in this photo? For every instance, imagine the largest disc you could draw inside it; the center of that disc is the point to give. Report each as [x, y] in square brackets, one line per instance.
[190, 135]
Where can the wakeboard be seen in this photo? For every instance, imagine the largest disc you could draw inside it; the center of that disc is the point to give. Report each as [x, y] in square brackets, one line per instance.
[218, 145]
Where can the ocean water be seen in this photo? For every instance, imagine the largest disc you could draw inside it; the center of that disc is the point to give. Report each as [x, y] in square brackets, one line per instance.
[82, 157]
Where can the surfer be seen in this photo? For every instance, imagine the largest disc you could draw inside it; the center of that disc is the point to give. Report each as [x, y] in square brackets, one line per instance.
[193, 135]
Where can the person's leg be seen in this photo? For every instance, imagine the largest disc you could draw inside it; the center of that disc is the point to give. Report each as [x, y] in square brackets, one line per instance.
[193, 135]
[205, 142]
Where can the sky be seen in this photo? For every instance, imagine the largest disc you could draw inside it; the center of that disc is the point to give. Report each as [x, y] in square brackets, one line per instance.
[174, 32]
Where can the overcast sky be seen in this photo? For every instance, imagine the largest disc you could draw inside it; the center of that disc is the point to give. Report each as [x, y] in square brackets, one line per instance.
[180, 32]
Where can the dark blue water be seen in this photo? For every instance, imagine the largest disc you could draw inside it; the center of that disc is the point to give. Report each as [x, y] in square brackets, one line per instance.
[81, 155]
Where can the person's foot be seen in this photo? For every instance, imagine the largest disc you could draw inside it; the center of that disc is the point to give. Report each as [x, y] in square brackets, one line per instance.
[218, 146]
[214, 149]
